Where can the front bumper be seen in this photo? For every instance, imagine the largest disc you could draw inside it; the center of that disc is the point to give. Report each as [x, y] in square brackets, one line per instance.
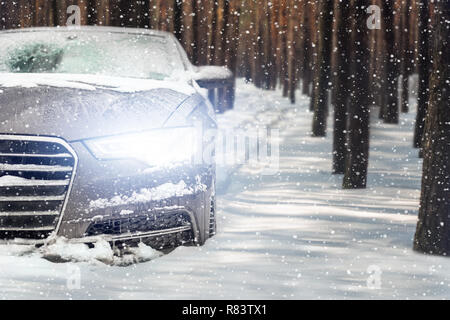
[129, 200]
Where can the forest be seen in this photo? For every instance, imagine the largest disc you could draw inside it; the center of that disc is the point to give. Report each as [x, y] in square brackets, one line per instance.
[352, 58]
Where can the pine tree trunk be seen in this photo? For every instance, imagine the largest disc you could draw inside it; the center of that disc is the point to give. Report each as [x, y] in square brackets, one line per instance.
[391, 114]
[274, 52]
[26, 13]
[103, 13]
[8, 20]
[306, 63]
[60, 12]
[266, 44]
[405, 32]
[283, 46]
[381, 99]
[114, 12]
[221, 21]
[204, 28]
[433, 228]
[41, 13]
[424, 71]
[357, 158]
[292, 59]
[188, 33]
[314, 23]
[258, 61]
[341, 84]
[231, 42]
[162, 14]
[320, 102]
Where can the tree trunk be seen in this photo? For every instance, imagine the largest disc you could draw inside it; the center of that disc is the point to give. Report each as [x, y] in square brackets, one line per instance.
[357, 158]
[258, 45]
[322, 68]
[221, 22]
[314, 53]
[204, 28]
[390, 115]
[292, 59]
[283, 46]
[26, 13]
[405, 32]
[381, 99]
[231, 42]
[103, 13]
[274, 50]
[433, 228]
[162, 14]
[188, 33]
[341, 87]
[114, 12]
[424, 71]
[266, 44]
[306, 63]
[42, 13]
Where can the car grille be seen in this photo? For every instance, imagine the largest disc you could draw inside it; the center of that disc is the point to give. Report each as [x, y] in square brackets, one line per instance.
[144, 223]
[158, 230]
[35, 177]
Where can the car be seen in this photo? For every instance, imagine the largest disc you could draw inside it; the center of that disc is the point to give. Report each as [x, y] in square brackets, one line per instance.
[103, 136]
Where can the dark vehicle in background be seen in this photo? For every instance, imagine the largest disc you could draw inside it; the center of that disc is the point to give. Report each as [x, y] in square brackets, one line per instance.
[99, 129]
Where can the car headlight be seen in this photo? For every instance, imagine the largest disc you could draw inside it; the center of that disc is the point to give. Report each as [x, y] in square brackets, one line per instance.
[156, 148]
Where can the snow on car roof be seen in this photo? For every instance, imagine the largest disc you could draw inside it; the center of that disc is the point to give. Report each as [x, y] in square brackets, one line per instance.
[93, 28]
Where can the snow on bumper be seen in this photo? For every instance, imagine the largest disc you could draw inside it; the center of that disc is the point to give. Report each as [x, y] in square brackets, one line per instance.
[123, 190]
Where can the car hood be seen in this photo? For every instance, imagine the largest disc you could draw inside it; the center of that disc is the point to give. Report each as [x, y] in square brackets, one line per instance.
[77, 107]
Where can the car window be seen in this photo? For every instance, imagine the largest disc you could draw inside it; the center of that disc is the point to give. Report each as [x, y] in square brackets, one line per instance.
[99, 53]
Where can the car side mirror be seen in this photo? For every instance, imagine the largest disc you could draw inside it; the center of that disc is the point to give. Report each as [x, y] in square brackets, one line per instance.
[212, 77]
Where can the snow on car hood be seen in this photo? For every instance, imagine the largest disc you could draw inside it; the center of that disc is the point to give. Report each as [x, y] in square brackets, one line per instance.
[81, 106]
[90, 82]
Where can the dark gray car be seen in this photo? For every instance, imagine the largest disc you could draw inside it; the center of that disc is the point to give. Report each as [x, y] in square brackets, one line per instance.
[102, 137]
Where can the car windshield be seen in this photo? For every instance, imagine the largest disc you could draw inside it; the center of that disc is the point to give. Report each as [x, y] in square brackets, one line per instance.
[118, 54]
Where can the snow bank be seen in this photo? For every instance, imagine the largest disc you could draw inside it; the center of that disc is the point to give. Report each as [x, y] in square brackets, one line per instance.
[61, 250]
[64, 251]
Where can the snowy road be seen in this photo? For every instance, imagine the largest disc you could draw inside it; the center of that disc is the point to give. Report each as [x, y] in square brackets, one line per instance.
[292, 235]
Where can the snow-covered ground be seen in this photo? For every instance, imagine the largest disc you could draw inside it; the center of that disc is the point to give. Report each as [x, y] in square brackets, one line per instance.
[292, 235]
